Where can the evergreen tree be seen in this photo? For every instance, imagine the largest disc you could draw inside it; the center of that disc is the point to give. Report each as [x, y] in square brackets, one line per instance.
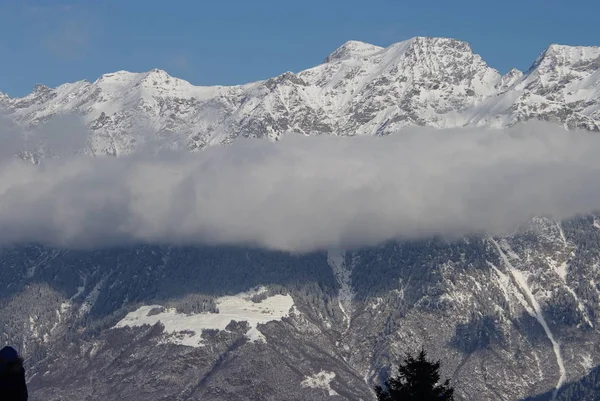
[418, 380]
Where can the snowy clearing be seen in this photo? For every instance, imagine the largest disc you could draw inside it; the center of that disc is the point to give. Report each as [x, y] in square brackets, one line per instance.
[188, 328]
[320, 380]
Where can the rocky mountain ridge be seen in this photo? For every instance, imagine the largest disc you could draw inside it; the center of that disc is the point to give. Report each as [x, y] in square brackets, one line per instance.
[510, 317]
[360, 89]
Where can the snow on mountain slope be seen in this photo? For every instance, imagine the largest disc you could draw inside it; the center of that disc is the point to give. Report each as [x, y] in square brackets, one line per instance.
[510, 317]
[509, 79]
[563, 84]
[353, 49]
[321, 380]
[424, 81]
[534, 309]
[123, 108]
[360, 89]
[187, 329]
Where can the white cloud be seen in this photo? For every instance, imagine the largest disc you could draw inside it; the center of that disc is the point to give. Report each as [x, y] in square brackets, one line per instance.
[306, 193]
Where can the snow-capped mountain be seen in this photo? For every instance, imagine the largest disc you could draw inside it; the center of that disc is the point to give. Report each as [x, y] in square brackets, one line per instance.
[360, 89]
[563, 84]
[510, 317]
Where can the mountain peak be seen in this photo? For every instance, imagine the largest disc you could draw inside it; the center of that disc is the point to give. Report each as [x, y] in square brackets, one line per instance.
[355, 48]
[423, 49]
[363, 90]
[158, 77]
[436, 40]
[558, 48]
[157, 73]
[509, 79]
[117, 77]
[352, 49]
[41, 88]
[563, 55]
[432, 41]
[154, 80]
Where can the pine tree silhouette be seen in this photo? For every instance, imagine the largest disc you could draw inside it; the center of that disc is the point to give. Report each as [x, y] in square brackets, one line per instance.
[418, 380]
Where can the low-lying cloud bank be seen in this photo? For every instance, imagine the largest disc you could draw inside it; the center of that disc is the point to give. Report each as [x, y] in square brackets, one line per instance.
[306, 193]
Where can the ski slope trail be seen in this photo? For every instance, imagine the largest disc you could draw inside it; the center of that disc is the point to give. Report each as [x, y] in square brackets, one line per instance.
[534, 309]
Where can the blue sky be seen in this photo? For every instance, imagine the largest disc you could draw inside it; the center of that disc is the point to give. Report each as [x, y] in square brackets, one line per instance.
[236, 41]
